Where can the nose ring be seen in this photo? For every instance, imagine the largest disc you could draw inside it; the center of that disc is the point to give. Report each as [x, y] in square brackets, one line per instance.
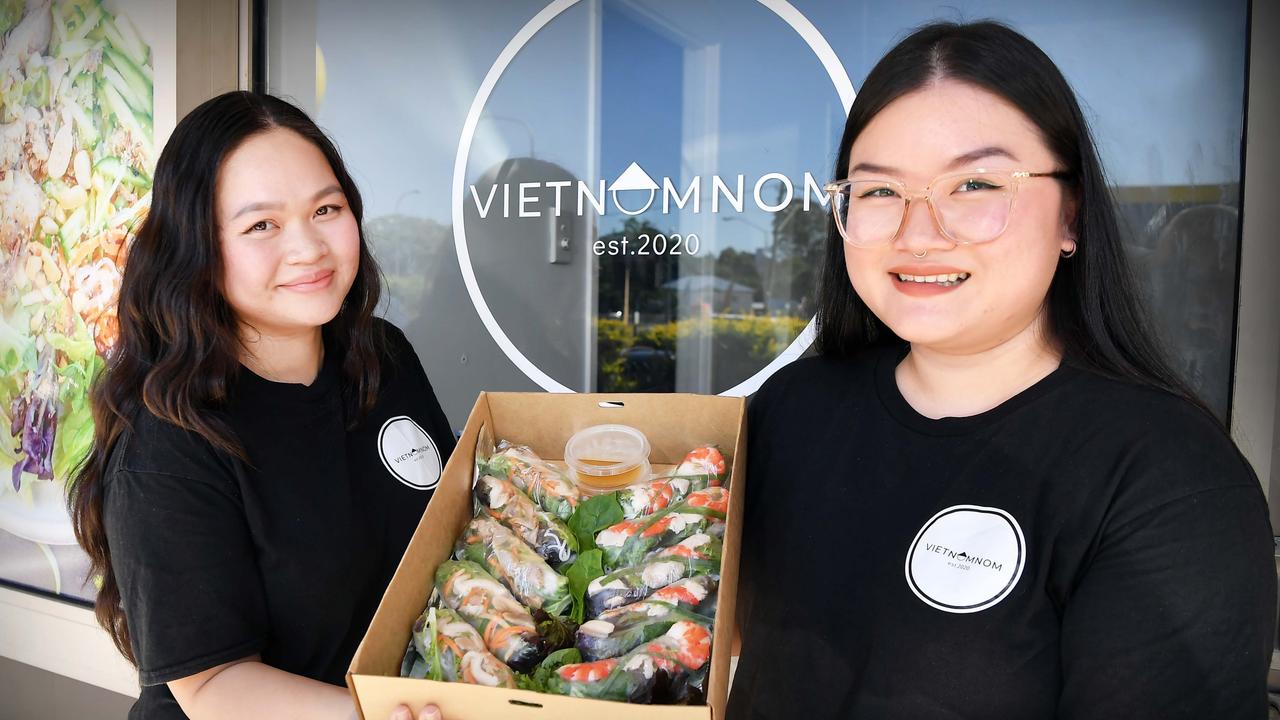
[920, 255]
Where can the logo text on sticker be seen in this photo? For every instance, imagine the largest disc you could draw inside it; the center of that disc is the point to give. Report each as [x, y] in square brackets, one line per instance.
[409, 453]
[966, 558]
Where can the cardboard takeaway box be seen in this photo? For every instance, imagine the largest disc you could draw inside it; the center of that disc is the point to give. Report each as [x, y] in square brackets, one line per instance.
[674, 424]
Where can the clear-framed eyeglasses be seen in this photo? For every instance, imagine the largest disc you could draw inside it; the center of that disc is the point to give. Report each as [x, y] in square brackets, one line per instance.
[969, 207]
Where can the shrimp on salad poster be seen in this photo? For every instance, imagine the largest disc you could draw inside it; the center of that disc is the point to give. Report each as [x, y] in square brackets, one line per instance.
[77, 117]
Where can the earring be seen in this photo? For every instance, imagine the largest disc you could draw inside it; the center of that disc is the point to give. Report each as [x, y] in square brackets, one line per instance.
[1074, 246]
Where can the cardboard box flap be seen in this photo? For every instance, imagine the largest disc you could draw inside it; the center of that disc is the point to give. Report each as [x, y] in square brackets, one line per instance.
[727, 601]
[380, 695]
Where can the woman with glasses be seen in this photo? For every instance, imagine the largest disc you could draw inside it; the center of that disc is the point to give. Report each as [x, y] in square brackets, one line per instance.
[989, 496]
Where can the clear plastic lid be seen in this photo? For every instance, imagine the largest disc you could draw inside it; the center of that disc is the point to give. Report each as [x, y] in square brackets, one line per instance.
[608, 456]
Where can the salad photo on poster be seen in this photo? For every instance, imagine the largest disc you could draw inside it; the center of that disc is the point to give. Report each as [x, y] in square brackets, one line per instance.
[77, 109]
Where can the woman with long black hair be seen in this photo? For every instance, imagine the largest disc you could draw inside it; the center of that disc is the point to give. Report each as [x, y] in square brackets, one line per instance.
[264, 445]
[989, 496]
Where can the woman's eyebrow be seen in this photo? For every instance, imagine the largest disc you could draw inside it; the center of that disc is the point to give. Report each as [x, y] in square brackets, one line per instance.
[979, 154]
[873, 168]
[960, 161]
[330, 190]
[253, 207]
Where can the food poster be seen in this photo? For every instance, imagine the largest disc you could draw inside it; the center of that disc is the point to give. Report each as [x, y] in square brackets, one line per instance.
[77, 151]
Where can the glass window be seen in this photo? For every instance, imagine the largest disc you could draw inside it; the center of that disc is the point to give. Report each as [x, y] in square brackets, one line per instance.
[621, 195]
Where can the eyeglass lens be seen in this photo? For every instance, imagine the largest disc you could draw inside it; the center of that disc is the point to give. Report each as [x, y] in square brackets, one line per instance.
[970, 208]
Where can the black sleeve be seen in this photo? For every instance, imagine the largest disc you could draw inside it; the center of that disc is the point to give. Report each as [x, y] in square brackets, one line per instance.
[750, 555]
[1175, 615]
[407, 360]
[184, 560]
[753, 694]
[446, 439]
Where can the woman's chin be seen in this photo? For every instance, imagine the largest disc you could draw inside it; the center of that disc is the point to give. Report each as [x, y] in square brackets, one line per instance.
[933, 334]
[316, 318]
[293, 319]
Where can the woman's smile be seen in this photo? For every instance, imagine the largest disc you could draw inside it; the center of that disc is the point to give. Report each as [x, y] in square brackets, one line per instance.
[920, 280]
[311, 282]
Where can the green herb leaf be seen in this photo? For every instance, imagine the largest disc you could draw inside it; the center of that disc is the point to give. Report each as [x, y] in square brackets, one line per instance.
[580, 573]
[557, 630]
[499, 467]
[539, 679]
[555, 661]
[526, 682]
[437, 670]
[474, 552]
[594, 515]
[10, 13]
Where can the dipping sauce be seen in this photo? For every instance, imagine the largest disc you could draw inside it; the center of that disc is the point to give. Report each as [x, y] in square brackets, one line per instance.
[607, 457]
[622, 479]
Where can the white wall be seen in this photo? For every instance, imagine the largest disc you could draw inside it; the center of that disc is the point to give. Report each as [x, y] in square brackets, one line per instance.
[1257, 379]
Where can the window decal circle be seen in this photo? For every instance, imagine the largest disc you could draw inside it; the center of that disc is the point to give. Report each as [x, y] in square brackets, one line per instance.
[784, 10]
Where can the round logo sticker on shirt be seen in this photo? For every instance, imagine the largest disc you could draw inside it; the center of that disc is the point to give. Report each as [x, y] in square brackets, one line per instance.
[409, 453]
[966, 558]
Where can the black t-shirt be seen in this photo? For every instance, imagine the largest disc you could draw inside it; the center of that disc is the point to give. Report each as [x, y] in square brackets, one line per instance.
[287, 555]
[1088, 549]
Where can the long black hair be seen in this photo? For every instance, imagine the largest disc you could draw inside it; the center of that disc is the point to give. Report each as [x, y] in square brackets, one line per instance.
[179, 348]
[1095, 312]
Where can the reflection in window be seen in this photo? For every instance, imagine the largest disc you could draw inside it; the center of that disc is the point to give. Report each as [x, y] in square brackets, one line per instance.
[709, 88]
[1184, 243]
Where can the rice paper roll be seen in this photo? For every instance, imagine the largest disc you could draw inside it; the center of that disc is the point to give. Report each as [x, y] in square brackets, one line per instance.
[650, 497]
[638, 582]
[613, 539]
[679, 660]
[501, 500]
[441, 635]
[489, 543]
[413, 666]
[661, 530]
[618, 631]
[668, 530]
[592, 680]
[703, 467]
[481, 667]
[550, 488]
[669, 669]
[714, 499]
[695, 595]
[505, 626]
[627, 542]
[703, 547]
[604, 680]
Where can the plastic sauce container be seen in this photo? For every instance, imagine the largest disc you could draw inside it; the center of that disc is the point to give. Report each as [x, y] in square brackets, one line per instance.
[607, 457]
